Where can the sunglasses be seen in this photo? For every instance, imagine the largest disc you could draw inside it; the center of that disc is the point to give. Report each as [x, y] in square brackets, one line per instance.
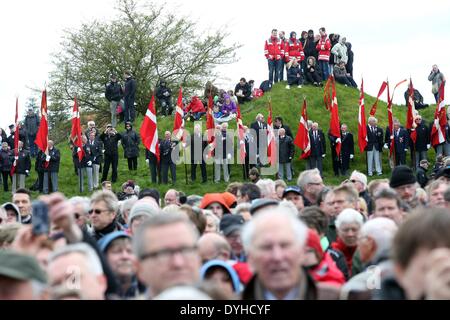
[97, 211]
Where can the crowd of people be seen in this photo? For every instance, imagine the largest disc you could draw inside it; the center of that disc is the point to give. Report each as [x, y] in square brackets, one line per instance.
[259, 239]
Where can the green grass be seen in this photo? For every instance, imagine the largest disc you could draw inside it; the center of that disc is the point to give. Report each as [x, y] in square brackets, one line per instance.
[285, 103]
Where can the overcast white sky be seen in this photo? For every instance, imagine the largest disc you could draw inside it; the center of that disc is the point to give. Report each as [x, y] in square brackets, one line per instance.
[394, 39]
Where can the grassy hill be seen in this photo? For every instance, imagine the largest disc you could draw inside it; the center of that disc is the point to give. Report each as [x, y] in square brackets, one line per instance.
[286, 103]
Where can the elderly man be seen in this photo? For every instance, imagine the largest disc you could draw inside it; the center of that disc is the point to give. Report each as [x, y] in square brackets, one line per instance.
[259, 137]
[318, 147]
[21, 277]
[166, 148]
[230, 227]
[166, 248]
[419, 148]
[388, 205]
[103, 213]
[23, 165]
[400, 138]
[311, 184]
[81, 207]
[285, 154]
[213, 246]
[171, 197]
[274, 241]
[347, 149]
[436, 192]
[374, 146]
[267, 187]
[76, 271]
[22, 199]
[374, 245]
[198, 146]
[404, 182]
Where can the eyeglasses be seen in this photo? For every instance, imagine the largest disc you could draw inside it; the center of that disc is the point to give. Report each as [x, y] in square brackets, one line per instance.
[165, 254]
[97, 211]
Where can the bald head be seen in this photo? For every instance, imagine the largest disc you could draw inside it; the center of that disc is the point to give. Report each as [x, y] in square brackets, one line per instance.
[213, 246]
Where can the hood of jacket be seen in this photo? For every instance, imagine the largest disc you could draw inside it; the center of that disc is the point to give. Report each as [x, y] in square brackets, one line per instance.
[225, 266]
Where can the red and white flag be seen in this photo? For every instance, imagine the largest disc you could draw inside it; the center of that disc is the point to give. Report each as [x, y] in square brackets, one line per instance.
[331, 104]
[42, 134]
[438, 133]
[362, 125]
[271, 147]
[210, 126]
[178, 125]
[302, 138]
[75, 134]
[241, 133]
[149, 130]
[391, 123]
[410, 113]
[373, 110]
[16, 139]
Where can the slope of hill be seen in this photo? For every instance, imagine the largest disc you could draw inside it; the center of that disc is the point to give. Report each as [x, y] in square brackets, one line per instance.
[286, 103]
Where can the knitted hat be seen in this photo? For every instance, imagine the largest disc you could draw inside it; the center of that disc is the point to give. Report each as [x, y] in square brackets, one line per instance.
[402, 175]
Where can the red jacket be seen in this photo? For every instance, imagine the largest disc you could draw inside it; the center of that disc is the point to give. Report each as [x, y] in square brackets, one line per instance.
[347, 251]
[294, 49]
[196, 105]
[274, 49]
[324, 48]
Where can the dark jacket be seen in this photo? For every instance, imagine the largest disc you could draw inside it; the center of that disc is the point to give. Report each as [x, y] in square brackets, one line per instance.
[318, 146]
[350, 55]
[255, 127]
[55, 158]
[6, 160]
[224, 145]
[130, 143]
[114, 226]
[31, 124]
[97, 150]
[86, 161]
[309, 48]
[286, 129]
[113, 91]
[24, 162]
[374, 139]
[423, 138]
[348, 145]
[163, 93]
[130, 91]
[110, 143]
[422, 178]
[285, 149]
[293, 74]
[246, 91]
[165, 149]
[401, 140]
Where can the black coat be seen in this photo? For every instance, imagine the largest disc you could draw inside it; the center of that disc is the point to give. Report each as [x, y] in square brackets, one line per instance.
[113, 91]
[318, 146]
[6, 160]
[375, 139]
[110, 143]
[293, 74]
[401, 140]
[246, 90]
[24, 162]
[161, 93]
[151, 157]
[285, 149]
[423, 138]
[447, 133]
[55, 158]
[422, 177]
[250, 149]
[31, 124]
[310, 48]
[166, 148]
[286, 129]
[130, 92]
[130, 143]
[256, 129]
[224, 145]
[96, 150]
[348, 145]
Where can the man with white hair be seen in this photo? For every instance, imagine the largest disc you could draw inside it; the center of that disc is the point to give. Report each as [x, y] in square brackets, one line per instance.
[374, 146]
[274, 241]
[197, 147]
[257, 126]
[267, 187]
[311, 184]
[77, 268]
[374, 245]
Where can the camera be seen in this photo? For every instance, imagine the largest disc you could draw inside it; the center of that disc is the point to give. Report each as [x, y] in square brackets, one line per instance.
[40, 220]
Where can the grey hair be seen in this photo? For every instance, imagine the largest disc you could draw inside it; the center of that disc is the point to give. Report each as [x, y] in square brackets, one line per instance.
[93, 259]
[156, 221]
[382, 231]
[267, 187]
[242, 207]
[348, 216]
[128, 204]
[305, 177]
[299, 228]
[372, 119]
[84, 201]
[110, 199]
[213, 217]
